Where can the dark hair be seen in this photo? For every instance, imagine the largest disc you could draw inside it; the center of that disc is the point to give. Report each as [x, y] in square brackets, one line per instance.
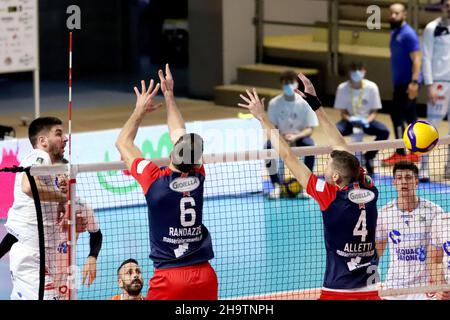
[187, 152]
[406, 165]
[39, 125]
[356, 66]
[347, 165]
[288, 76]
[131, 260]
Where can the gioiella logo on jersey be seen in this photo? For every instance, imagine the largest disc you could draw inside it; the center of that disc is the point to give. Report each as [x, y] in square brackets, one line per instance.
[119, 182]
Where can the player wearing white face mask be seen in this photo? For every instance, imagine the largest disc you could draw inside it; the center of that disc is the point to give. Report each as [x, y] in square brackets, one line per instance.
[359, 100]
[290, 114]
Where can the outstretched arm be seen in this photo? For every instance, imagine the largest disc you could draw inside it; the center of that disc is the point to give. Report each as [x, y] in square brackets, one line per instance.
[144, 103]
[175, 121]
[337, 140]
[256, 107]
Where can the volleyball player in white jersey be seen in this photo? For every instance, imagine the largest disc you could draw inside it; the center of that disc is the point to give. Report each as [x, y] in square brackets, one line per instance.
[48, 140]
[436, 74]
[440, 253]
[405, 225]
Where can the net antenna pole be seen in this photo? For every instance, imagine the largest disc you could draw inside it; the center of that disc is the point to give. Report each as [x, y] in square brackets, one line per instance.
[71, 236]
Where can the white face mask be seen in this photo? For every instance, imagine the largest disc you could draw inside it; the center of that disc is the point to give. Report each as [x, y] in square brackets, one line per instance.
[289, 88]
[357, 76]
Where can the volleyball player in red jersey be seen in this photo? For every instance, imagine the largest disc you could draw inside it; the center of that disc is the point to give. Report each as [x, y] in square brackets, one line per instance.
[347, 200]
[181, 245]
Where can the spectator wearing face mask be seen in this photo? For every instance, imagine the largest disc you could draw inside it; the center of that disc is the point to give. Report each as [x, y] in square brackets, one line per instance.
[295, 120]
[359, 101]
[405, 66]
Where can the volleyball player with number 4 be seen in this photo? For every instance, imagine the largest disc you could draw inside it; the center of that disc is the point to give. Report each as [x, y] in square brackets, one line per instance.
[180, 244]
[347, 199]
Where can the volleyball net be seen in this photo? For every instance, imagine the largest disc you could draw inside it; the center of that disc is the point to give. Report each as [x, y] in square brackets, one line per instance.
[264, 248]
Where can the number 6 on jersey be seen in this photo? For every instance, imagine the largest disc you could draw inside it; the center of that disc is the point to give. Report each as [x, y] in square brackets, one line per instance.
[187, 211]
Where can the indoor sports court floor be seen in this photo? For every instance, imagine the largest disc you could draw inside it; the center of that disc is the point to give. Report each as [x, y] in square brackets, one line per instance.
[266, 259]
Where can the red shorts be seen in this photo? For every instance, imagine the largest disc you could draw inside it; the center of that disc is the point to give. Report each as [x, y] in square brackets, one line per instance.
[196, 282]
[333, 295]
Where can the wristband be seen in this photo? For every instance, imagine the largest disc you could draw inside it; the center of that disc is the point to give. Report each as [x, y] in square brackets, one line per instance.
[313, 101]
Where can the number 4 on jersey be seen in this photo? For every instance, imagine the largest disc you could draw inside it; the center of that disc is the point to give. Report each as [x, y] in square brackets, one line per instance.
[361, 227]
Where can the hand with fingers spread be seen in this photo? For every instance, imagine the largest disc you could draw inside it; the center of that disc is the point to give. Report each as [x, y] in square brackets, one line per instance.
[167, 83]
[309, 93]
[254, 104]
[145, 99]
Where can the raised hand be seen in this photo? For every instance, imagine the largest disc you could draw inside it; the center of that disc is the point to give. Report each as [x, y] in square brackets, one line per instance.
[309, 93]
[145, 99]
[254, 104]
[167, 82]
[309, 87]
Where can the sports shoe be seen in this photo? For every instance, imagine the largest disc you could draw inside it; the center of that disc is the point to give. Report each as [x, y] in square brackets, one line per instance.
[424, 174]
[369, 166]
[424, 179]
[276, 192]
[394, 159]
[411, 157]
[304, 195]
[447, 172]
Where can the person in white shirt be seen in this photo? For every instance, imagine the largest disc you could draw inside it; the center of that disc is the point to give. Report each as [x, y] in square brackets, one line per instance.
[359, 101]
[440, 253]
[47, 137]
[436, 74]
[404, 224]
[295, 120]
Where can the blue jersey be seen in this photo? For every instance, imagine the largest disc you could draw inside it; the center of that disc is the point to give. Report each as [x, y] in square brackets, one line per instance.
[404, 41]
[350, 221]
[175, 210]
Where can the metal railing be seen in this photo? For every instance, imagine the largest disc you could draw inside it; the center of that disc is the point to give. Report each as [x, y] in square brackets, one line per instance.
[415, 7]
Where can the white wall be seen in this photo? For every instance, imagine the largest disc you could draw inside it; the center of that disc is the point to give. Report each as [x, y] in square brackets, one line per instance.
[238, 36]
[304, 11]
[222, 35]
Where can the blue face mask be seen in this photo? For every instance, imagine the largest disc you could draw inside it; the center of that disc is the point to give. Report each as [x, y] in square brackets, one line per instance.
[289, 88]
[357, 76]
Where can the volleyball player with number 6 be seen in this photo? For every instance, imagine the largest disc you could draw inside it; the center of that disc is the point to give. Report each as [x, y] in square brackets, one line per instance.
[181, 246]
[347, 199]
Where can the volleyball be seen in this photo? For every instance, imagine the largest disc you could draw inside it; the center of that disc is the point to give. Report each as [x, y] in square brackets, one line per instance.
[420, 137]
[291, 187]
